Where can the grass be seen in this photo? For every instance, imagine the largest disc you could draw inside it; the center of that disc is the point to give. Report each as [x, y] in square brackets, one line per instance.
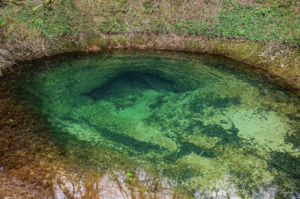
[19, 22]
[30, 26]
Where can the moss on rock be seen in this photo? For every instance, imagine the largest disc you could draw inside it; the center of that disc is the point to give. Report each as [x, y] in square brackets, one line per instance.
[100, 42]
[282, 63]
[139, 39]
[118, 41]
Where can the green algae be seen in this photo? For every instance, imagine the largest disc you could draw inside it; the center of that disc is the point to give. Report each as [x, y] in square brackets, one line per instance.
[98, 41]
[182, 115]
[116, 41]
[139, 39]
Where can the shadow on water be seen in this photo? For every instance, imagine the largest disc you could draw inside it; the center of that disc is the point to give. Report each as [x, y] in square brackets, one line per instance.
[131, 83]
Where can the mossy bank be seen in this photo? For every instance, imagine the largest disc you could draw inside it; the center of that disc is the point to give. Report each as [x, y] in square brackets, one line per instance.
[262, 33]
[280, 63]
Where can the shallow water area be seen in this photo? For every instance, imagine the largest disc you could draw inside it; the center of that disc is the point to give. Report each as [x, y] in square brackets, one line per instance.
[163, 125]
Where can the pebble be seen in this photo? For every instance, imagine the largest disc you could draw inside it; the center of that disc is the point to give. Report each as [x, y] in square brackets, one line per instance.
[1, 169]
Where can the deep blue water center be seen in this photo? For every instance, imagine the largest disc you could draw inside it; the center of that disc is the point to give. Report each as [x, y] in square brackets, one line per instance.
[170, 124]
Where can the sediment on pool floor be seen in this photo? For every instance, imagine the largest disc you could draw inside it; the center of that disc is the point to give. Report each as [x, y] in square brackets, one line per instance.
[205, 130]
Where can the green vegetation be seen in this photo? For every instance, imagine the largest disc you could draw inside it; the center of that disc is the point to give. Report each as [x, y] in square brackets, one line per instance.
[10, 122]
[264, 21]
[36, 28]
[128, 175]
[30, 20]
[264, 24]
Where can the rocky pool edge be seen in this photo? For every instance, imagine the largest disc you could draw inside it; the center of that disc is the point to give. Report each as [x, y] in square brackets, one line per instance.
[280, 63]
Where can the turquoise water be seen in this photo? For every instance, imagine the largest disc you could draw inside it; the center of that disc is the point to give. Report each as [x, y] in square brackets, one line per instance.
[179, 125]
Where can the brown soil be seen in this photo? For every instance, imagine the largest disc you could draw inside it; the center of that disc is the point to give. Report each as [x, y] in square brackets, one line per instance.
[11, 187]
[19, 164]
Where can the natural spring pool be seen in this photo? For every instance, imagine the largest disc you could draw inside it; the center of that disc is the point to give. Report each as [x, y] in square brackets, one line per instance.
[134, 124]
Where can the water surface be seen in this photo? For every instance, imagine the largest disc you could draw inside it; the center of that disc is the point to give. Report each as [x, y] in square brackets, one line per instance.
[165, 125]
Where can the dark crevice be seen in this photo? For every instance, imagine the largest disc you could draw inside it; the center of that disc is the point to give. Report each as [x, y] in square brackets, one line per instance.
[132, 83]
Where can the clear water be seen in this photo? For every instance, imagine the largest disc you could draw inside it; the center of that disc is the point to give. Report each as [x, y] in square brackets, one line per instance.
[165, 125]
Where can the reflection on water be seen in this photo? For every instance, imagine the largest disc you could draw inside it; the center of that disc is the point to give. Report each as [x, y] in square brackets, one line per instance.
[116, 185]
[160, 125]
